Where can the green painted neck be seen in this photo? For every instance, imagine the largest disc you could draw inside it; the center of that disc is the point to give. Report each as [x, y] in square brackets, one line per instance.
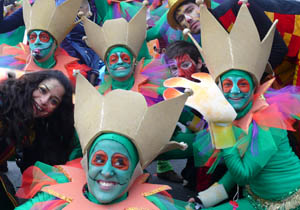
[94, 200]
[49, 63]
[243, 112]
[125, 85]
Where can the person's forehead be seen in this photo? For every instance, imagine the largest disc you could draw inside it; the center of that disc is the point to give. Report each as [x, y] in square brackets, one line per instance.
[51, 83]
[238, 75]
[181, 9]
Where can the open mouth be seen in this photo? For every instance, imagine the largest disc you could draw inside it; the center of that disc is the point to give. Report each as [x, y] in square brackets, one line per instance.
[106, 185]
[38, 107]
[120, 68]
[236, 99]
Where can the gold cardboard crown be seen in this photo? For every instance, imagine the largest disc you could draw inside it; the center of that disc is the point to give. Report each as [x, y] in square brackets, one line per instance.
[126, 113]
[240, 49]
[173, 5]
[45, 15]
[117, 32]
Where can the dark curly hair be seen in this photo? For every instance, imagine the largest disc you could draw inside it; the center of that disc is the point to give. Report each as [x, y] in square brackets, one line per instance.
[54, 134]
[180, 47]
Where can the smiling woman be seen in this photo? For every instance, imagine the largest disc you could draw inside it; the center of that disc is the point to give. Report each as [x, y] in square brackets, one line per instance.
[36, 115]
[47, 97]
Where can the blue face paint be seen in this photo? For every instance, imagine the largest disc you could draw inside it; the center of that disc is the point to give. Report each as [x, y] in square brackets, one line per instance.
[238, 88]
[120, 63]
[41, 45]
[110, 170]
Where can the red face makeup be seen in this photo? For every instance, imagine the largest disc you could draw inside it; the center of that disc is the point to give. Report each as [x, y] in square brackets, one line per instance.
[43, 37]
[114, 58]
[242, 84]
[118, 161]
[186, 66]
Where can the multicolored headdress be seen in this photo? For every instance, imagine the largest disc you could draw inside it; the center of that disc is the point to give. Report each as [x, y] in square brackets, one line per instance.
[117, 32]
[126, 113]
[240, 49]
[45, 15]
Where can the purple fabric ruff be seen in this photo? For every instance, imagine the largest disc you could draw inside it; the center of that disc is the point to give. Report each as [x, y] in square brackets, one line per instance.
[254, 141]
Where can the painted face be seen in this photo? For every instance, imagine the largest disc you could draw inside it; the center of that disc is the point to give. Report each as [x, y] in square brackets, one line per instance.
[238, 88]
[120, 63]
[110, 170]
[187, 15]
[47, 97]
[182, 66]
[41, 45]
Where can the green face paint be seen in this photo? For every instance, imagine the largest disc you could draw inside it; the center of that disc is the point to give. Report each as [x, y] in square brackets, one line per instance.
[41, 47]
[238, 88]
[110, 170]
[119, 63]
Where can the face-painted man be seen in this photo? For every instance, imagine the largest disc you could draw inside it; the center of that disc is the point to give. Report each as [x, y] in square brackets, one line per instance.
[182, 66]
[120, 63]
[42, 46]
[238, 89]
[112, 161]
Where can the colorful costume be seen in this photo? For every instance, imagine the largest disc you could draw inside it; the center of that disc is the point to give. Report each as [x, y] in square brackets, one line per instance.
[261, 159]
[34, 19]
[103, 39]
[226, 13]
[21, 59]
[42, 175]
[73, 193]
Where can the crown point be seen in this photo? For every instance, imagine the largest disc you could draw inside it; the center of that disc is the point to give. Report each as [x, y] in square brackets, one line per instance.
[198, 2]
[89, 14]
[75, 72]
[186, 31]
[84, 38]
[145, 3]
[80, 14]
[189, 91]
[243, 2]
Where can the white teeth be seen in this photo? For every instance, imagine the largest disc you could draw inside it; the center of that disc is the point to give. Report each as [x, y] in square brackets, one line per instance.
[38, 107]
[106, 184]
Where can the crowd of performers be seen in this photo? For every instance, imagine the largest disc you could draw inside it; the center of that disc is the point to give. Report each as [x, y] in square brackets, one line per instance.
[92, 91]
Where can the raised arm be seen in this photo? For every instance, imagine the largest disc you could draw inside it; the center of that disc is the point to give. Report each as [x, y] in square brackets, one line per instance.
[12, 21]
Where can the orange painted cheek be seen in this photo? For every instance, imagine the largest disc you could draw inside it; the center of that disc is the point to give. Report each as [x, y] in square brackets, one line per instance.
[99, 158]
[32, 37]
[44, 37]
[125, 58]
[244, 86]
[120, 161]
[113, 59]
[227, 86]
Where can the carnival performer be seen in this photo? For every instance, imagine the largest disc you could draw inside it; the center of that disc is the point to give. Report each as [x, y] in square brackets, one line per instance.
[185, 14]
[183, 59]
[118, 43]
[36, 120]
[116, 149]
[253, 142]
[112, 9]
[45, 35]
